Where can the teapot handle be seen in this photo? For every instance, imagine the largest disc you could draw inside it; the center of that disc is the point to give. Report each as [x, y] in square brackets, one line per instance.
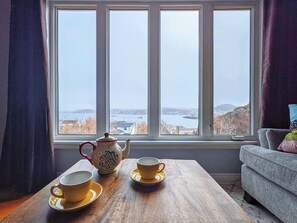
[82, 153]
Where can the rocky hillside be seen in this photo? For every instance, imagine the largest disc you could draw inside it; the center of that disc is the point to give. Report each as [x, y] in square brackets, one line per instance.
[233, 122]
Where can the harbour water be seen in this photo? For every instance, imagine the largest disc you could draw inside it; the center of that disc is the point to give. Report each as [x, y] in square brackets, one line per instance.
[177, 120]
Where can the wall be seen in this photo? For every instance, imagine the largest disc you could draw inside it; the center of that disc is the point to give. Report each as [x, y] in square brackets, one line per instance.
[212, 160]
[4, 47]
[219, 158]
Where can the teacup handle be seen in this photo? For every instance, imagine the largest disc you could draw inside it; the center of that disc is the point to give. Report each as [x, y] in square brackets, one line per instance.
[54, 194]
[162, 168]
[83, 154]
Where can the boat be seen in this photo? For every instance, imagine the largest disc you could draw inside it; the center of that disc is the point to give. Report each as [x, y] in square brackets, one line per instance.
[190, 117]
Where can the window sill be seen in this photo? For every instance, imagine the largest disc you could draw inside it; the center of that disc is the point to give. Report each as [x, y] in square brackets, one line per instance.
[67, 144]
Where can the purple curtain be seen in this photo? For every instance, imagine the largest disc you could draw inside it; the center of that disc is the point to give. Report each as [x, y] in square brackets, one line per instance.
[27, 160]
[279, 80]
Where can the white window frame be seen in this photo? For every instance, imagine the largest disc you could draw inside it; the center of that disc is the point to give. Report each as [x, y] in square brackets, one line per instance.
[205, 63]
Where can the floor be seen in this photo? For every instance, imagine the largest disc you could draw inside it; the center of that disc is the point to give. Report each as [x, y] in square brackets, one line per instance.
[257, 212]
[7, 207]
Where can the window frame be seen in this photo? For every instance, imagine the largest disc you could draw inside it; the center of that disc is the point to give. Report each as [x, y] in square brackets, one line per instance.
[205, 112]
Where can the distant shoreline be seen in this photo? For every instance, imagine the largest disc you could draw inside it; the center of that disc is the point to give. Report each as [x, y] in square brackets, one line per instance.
[187, 112]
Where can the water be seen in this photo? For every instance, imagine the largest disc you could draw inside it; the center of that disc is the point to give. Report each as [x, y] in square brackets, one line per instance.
[176, 120]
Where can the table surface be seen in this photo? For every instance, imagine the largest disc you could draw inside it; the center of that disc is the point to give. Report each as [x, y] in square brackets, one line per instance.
[188, 194]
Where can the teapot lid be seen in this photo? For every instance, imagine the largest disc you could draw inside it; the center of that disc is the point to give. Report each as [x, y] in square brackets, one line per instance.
[106, 138]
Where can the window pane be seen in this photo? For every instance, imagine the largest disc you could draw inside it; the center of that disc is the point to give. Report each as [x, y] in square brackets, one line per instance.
[179, 72]
[231, 72]
[77, 71]
[128, 67]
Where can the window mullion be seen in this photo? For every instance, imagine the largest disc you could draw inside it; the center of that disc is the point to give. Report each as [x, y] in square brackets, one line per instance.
[53, 30]
[256, 47]
[206, 77]
[154, 71]
[102, 86]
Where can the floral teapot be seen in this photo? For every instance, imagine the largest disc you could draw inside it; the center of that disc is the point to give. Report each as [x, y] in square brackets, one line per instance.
[107, 154]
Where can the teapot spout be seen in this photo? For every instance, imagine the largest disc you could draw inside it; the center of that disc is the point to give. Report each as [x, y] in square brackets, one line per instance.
[126, 149]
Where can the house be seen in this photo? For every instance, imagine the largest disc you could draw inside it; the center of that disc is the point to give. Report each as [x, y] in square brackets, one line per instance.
[123, 127]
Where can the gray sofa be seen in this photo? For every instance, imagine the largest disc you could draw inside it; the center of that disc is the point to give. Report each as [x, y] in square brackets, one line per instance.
[270, 176]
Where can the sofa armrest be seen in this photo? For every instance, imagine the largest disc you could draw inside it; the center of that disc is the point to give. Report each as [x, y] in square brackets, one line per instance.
[262, 137]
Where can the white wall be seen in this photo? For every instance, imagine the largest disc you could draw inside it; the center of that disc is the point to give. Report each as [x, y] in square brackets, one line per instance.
[4, 47]
[212, 160]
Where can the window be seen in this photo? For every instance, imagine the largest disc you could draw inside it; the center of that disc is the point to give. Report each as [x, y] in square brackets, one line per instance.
[76, 72]
[231, 68]
[177, 70]
[128, 71]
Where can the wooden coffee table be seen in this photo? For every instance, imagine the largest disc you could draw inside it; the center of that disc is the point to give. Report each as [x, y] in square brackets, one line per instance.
[188, 194]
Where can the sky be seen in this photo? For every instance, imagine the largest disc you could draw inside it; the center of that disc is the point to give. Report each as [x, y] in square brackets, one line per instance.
[128, 58]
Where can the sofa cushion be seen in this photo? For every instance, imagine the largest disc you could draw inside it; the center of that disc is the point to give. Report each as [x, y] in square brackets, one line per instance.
[271, 138]
[279, 167]
[275, 137]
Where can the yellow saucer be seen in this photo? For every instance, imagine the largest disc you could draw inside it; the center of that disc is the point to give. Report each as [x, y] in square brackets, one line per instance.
[135, 176]
[61, 204]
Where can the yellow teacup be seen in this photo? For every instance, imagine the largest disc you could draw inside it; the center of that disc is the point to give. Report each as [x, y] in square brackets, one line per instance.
[149, 166]
[74, 186]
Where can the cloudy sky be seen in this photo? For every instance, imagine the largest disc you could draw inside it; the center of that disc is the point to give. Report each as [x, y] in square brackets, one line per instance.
[128, 59]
